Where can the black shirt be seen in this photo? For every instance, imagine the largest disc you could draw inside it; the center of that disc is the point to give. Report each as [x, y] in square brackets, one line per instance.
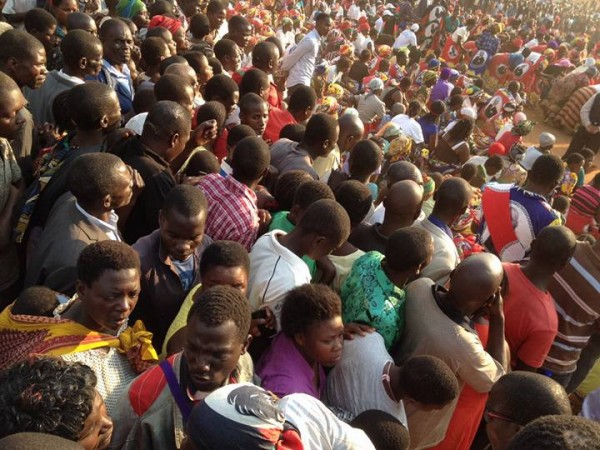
[368, 238]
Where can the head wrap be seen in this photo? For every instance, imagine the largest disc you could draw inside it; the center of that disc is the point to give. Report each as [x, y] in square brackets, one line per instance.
[364, 27]
[335, 90]
[130, 8]
[414, 27]
[469, 113]
[429, 76]
[329, 105]
[547, 139]
[241, 416]
[445, 73]
[497, 148]
[400, 148]
[173, 25]
[391, 132]
[523, 128]
[286, 21]
[384, 51]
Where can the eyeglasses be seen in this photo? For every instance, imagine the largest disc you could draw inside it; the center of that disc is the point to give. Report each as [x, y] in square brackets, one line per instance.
[488, 415]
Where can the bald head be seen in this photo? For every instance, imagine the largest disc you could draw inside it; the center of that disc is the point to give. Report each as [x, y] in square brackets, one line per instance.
[183, 70]
[404, 170]
[351, 131]
[475, 281]
[81, 21]
[452, 198]
[403, 201]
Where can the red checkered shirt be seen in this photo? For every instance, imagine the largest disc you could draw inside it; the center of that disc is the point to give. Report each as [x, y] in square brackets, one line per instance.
[232, 210]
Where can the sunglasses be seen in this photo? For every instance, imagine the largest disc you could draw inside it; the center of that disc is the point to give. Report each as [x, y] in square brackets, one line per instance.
[488, 415]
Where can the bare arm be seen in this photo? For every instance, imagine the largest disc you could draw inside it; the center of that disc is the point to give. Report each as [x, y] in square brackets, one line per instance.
[496, 346]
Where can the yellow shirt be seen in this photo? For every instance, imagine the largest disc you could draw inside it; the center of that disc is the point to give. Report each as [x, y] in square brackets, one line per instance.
[180, 320]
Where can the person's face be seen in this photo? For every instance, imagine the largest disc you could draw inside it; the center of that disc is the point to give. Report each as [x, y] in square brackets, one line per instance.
[205, 73]
[230, 102]
[181, 42]
[47, 37]
[212, 353]
[189, 103]
[216, 19]
[181, 235]
[235, 276]
[113, 115]
[10, 105]
[109, 301]
[257, 118]
[141, 19]
[93, 62]
[31, 70]
[323, 27]
[499, 426]
[123, 187]
[97, 428]
[330, 144]
[191, 7]
[117, 45]
[62, 10]
[232, 62]
[242, 36]
[323, 342]
[168, 38]
[576, 167]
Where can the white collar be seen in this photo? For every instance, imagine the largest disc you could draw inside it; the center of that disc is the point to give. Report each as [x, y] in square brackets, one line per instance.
[110, 227]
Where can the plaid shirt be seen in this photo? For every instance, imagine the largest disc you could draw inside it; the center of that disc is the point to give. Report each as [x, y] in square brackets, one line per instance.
[232, 210]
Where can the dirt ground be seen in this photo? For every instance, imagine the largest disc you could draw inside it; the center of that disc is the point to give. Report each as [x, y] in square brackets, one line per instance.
[562, 138]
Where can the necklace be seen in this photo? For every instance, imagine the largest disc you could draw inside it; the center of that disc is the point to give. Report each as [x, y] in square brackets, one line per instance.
[385, 379]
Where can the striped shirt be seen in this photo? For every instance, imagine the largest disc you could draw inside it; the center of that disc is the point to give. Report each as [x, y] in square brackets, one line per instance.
[576, 292]
[586, 200]
[232, 210]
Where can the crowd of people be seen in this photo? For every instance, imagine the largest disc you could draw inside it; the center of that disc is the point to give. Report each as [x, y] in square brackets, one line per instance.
[299, 225]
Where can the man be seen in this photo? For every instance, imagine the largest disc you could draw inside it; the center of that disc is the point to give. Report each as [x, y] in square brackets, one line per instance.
[240, 32]
[82, 57]
[402, 207]
[321, 134]
[517, 399]
[217, 19]
[159, 402]
[588, 133]
[407, 38]
[300, 62]
[439, 323]
[302, 103]
[513, 216]
[165, 134]
[81, 21]
[229, 55]
[11, 184]
[576, 293]
[117, 44]
[99, 184]
[451, 201]
[23, 58]
[170, 258]
[408, 122]
[233, 213]
[531, 321]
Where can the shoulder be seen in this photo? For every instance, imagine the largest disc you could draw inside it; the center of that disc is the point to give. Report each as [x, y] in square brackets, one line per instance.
[148, 387]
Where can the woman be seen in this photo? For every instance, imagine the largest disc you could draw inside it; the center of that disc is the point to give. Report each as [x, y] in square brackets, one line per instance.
[48, 395]
[91, 328]
[452, 149]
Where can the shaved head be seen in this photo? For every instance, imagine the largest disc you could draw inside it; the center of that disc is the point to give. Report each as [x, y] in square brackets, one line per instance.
[475, 281]
[351, 131]
[404, 199]
[452, 197]
[404, 170]
[183, 70]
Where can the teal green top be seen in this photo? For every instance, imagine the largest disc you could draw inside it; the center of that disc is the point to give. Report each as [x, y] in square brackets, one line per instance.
[370, 297]
[280, 221]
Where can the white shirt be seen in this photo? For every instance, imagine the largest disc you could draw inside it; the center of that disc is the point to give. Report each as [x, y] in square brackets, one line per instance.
[406, 38]
[300, 62]
[531, 154]
[286, 38]
[355, 383]
[410, 127]
[319, 428]
[274, 270]
[109, 228]
[354, 12]
[379, 24]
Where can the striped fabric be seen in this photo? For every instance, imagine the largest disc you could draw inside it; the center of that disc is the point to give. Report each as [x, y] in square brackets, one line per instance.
[586, 200]
[576, 292]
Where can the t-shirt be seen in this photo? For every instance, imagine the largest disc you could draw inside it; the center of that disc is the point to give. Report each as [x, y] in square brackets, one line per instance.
[531, 320]
[278, 118]
[185, 270]
[355, 383]
[319, 428]
[283, 370]
[280, 221]
[274, 270]
[287, 155]
[531, 154]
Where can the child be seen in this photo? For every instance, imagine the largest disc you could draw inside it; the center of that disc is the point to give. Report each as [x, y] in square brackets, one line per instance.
[374, 292]
[37, 301]
[312, 337]
[254, 112]
[561, 204]
[573, 165]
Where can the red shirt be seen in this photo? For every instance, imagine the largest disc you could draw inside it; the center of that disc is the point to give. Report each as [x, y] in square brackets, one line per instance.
[508, 140]
[274, 97]
[278, 118]
[531, 321]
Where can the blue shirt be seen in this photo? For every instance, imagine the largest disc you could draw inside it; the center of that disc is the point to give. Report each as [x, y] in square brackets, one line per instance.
[120, 81]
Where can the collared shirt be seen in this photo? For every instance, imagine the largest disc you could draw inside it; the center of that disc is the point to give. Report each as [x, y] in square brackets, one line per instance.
[232, 210]
[300, 62]
[441, 225]
[162, 291]
[120, 81]
[109, 228]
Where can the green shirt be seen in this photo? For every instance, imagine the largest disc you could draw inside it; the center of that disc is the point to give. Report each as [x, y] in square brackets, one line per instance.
[281, 222]
[369, 296]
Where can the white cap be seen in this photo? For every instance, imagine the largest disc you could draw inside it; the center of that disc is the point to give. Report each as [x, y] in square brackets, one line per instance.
[414, 27]
[375, 84]
[469, 113]
[387, 13]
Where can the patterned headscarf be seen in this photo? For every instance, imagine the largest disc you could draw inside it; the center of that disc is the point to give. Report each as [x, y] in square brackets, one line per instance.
[429, 76]
[173, 25]
[400, 148]
[130, 8]
[335, 90]
[523, 128]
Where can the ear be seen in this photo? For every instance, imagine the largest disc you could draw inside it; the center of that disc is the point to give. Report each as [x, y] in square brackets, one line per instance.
[104, 121]
[326, 143]
[174, 139]
[294, 214]
[299, 339]
[106, 201]
[83, 62]
[80, 289]
[12, 63]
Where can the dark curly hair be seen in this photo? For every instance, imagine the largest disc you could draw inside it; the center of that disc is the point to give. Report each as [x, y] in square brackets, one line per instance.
[310, 192]
[384, 430]
[221, 304]
[225, 254]
[558, 433]
[428, 380]
[356, 198]
[46, 395]
[286, 188]
[99, 257]
[308, 305]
